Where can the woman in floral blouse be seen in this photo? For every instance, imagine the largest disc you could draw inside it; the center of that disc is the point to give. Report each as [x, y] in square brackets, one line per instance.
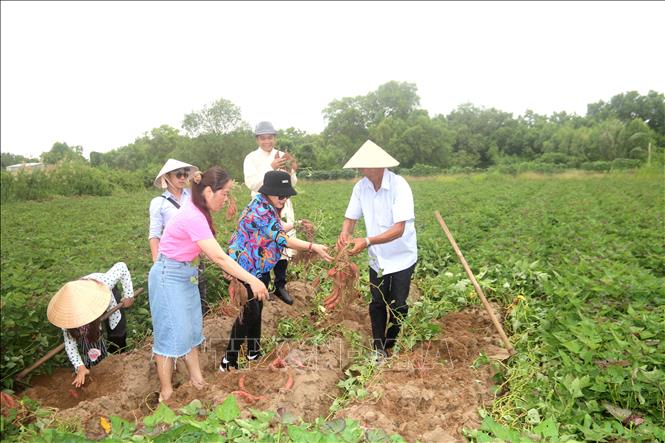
[257, 245]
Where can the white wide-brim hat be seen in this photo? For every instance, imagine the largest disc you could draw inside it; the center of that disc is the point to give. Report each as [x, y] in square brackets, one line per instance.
[169, 166]
[370, 155]
[78, 303]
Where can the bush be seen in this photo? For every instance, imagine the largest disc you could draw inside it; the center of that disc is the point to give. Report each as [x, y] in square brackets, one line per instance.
[557, 158]
[24, 185]
[462, 170]
[420, 170]
[596, 166]
[70, 179]
[508, 169]
[626, 163]
[127, 180]
[335, 174]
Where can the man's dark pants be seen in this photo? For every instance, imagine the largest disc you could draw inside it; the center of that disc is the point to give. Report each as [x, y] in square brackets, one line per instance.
[388, 306]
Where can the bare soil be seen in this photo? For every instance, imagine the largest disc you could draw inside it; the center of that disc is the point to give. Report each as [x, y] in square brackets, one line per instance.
[428, 394]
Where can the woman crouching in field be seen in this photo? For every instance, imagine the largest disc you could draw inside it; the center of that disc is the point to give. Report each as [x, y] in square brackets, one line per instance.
[257, 245]
[175, 303]
[78, 307]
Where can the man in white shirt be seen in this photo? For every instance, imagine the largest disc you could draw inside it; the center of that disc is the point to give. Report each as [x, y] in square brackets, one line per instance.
[385, 201]
[266, 158]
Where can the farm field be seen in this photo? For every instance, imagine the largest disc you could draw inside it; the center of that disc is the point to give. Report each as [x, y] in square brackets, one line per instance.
[574, 265]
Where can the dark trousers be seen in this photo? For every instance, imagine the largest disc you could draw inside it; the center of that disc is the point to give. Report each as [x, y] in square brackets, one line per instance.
[203, 288]
[249, 328]
[280, 273]
[117, 338]
[389, 295]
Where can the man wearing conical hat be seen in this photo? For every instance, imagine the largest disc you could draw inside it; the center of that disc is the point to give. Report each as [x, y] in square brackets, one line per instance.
[385, 201]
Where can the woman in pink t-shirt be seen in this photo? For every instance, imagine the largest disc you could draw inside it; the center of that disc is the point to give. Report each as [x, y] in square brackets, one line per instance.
[175, 304]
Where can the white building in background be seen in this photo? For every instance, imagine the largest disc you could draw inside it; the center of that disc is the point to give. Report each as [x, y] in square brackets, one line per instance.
[25, 166]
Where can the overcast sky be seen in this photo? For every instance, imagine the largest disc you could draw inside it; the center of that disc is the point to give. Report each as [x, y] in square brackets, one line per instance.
[101, 74]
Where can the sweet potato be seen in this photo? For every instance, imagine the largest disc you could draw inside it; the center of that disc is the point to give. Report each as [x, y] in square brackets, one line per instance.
[7, 402]
[332, 300]
[247, 396]
[232, 208]
[277, 363]
[345, 276]
[289, 383]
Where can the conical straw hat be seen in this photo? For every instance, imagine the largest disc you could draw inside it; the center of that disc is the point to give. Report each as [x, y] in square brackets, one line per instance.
[172, 165]
[370, 155]
[78, 303]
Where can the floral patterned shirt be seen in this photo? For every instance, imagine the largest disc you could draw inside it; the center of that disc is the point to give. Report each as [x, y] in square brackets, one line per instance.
[259, 239]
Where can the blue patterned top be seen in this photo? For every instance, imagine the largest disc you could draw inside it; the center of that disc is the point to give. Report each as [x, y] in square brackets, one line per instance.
[259, 239]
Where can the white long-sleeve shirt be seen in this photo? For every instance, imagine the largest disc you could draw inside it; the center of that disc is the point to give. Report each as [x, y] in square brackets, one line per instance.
[118, 273]
[254, 168]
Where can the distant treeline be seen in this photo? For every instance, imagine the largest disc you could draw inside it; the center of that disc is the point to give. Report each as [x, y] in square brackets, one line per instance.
[623, 132]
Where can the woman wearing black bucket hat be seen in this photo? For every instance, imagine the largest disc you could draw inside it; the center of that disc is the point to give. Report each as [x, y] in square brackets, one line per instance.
[256, 245]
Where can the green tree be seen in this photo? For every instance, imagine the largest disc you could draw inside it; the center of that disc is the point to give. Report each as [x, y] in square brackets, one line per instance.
[392, 99]
[481, 133]
[302, 145]
[221, 117]
[631, 105]
[96, 158]
[347, 124]
[225, 150]
[634, 139]
[162, 142]
[63, 152]
[150, 150]
[349, 120]
[606, 144]
[418, 140]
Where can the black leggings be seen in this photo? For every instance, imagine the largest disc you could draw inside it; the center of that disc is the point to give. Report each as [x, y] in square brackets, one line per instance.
[116, 338]
[280, 273]
[249, 328]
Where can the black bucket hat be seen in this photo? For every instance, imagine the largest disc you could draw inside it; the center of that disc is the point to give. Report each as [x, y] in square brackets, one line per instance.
[277, 183]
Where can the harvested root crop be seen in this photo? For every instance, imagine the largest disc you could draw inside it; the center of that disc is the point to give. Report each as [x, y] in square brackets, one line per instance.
[232, 208]
[345, 276]
[237, 298]
[306, 228]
